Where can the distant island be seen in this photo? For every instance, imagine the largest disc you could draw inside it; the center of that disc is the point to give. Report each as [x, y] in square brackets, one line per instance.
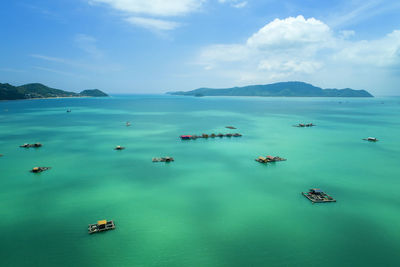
[290, 89]
[37, 90]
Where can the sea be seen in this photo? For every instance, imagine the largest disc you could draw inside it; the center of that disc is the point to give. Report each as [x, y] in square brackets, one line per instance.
[214, 205]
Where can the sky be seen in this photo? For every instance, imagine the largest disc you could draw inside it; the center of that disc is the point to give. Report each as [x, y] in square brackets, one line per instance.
[155, 46]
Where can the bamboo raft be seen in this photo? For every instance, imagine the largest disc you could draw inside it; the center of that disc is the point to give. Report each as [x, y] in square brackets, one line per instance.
[101, 226]
[39, 169]
[163, 159]
[269, 159]
[31, 145]
[220, 135]
[301, 125]
[318, 196]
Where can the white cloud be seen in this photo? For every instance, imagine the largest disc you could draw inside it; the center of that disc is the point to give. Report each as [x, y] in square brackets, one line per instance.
[154, 7]
[296, 48]
[234, 3]
[153, 24]
[290, 31]
[147, 13]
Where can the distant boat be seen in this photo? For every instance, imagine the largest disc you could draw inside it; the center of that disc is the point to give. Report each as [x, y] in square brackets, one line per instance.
[68, 110]
[128, 123]
[371, 139]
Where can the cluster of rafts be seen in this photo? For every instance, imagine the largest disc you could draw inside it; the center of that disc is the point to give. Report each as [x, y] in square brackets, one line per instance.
[315, 195]
[194, 137]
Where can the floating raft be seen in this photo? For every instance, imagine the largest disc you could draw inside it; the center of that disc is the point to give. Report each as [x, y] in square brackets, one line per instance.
[39, 169]
[371, 139]
[301, 125]
[318, 196]
[269, 159]
[101, 226]
[193, 137]
[163, 159]
[31, 145]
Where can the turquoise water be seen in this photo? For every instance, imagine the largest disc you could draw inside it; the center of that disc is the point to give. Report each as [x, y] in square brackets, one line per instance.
[213, 206]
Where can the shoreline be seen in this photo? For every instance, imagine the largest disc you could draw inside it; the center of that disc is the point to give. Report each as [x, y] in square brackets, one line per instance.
[54, 97]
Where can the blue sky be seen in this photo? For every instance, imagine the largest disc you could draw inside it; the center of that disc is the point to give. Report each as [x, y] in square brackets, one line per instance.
[154, 46]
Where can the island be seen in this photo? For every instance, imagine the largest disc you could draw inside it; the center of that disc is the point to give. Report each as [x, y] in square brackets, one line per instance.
[289, 89]
[37, 90]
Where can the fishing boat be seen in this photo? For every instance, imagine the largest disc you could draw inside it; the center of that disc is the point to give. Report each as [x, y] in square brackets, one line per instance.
[39, 169]
[371, 139]
[100, 226]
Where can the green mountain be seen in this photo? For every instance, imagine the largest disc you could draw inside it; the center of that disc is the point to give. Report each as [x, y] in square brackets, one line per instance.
[93, 92]
[277, 89]
[37, 90]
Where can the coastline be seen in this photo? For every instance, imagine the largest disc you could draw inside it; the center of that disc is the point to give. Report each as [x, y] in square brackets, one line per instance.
[54, 97]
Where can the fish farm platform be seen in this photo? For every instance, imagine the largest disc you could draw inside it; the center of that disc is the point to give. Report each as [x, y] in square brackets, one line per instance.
[318, 196]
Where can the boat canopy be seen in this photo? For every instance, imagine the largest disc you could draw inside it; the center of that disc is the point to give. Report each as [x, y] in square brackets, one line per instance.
[102, 222]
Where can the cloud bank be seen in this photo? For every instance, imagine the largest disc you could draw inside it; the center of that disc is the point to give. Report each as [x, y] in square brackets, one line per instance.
[297, 48]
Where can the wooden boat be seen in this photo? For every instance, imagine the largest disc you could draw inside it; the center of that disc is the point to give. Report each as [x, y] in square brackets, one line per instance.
[31, 145]
[230, 127]
[119, 148]
[269, 159]
[101, 226]
[39, 169]
[371, 139]
[304, 125]
[163, 159]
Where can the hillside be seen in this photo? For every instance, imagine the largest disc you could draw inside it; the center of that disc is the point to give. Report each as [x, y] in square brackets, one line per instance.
[37, 90]
[289, 89]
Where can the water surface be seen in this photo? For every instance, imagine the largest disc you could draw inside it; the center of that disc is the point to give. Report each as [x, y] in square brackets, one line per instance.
[213, 206]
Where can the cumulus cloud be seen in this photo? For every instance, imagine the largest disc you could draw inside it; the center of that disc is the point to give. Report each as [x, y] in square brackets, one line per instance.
[300, 48]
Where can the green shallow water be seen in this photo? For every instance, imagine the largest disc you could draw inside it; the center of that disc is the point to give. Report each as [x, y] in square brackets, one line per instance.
[213, 206]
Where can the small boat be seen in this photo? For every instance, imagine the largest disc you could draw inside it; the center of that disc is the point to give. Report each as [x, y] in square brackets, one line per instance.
[31, 145]
[163, 159]
[230, 127]
[68, 110]
[371, 139]
[269, 159]
[186, 137]
[39, 169]
[128, 123]
[101, 226]
[119, 148]
[304, 125]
